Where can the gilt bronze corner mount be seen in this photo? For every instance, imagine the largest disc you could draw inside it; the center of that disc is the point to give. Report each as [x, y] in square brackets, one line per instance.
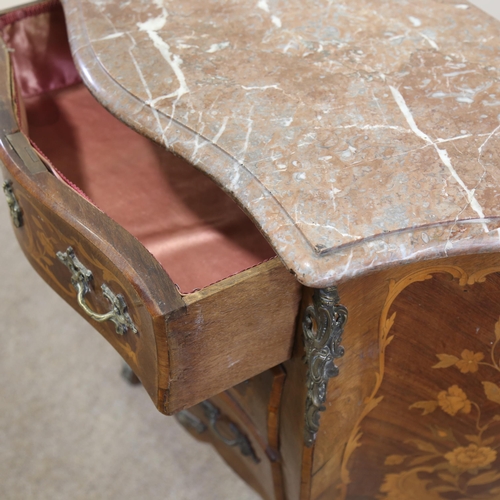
[323, 326]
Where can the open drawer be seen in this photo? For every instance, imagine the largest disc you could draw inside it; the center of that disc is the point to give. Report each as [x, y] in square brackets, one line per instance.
[150, 251]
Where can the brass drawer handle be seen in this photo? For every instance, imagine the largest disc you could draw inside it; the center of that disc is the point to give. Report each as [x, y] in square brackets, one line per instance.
[240, 440]
[187, 419]
[81, 278]
[15, 210]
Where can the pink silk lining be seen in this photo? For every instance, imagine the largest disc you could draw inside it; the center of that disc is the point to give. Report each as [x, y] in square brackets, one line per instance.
[197, 233]
[41, 62]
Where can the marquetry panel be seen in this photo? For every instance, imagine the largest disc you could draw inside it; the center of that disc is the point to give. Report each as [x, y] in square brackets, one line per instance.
[429, 429]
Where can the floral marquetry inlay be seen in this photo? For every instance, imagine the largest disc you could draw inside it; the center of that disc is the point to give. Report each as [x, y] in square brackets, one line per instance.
[452, 450]
[468, 463]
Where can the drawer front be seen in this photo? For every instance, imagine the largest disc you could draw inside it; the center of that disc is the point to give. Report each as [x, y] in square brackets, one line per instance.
[223, 423]
[59, 232]
[260, 399]
[184, 350]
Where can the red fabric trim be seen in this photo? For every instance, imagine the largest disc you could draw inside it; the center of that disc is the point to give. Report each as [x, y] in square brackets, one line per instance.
[29, 11]
[59, 173]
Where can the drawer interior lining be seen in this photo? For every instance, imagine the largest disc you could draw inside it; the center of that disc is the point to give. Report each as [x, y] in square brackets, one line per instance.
[197, 233]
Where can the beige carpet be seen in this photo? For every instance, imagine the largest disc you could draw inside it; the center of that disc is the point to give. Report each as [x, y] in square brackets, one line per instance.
[70, 427]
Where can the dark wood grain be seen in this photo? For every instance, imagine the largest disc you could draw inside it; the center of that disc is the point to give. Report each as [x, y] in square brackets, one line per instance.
[400, 320]
[273, 422]
[231, 331]
[258, 475]
[8, 120]
[292, 413]
[260, 399]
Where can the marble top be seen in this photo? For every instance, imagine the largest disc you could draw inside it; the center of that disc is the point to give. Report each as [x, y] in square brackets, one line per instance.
[356, 133]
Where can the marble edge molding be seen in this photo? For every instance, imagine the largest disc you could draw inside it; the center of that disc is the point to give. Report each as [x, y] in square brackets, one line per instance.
[313, 267]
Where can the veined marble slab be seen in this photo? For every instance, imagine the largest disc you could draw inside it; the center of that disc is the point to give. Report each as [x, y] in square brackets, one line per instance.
[357, 134]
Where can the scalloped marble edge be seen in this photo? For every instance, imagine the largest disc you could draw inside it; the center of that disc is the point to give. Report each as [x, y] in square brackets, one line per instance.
[312, 268]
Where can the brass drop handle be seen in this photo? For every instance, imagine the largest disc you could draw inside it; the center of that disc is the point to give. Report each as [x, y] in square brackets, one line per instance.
[240, 440]
[81, 278]
[187, 419]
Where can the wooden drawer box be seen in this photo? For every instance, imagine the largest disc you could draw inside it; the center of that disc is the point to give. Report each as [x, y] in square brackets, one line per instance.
[157, 217]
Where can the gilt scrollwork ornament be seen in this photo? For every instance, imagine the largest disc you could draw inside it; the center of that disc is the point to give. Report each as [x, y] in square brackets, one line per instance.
[323, 326]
